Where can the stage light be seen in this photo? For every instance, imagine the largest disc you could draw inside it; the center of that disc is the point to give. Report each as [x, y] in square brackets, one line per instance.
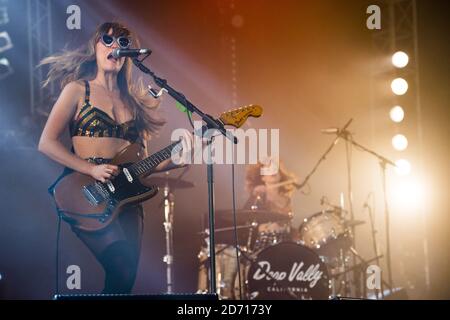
[399, 142]
[5, 41]
[403, 167]
[397, 114]
[400, 59]
[5, 68]
[407, 195]
[399, 86]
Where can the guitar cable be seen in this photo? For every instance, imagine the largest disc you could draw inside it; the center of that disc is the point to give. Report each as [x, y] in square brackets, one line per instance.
[236, 243]
[58, 233]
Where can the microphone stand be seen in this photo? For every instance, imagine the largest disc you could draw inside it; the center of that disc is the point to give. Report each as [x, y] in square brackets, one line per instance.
[383, 163]
[345, 134]
[210, 123]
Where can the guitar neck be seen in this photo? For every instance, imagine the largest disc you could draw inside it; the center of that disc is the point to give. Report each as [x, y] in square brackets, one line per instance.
[144, 167]
[235, 118]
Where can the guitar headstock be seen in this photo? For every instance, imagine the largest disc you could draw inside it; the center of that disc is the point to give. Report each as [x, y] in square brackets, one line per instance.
[237, 117]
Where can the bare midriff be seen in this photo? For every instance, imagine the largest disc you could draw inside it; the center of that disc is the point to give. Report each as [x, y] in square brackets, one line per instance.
[98, 147]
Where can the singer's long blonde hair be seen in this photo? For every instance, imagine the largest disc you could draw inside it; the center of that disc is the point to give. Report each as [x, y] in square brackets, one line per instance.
[81, 64]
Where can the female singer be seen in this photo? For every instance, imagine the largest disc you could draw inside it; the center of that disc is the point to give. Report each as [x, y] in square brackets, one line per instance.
[105, 112]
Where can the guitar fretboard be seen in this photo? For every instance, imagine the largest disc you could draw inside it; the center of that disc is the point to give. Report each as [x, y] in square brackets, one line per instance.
[141, 167]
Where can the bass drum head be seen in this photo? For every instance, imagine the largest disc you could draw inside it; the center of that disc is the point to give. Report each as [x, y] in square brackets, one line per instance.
[287, 271]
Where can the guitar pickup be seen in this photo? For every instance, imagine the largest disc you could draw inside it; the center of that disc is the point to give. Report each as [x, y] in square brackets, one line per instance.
[94, 193]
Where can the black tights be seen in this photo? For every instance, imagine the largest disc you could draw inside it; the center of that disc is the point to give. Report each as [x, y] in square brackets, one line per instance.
[117, 248]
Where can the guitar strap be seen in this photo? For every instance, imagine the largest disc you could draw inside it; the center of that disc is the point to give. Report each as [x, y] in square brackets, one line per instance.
[65, 172]
[51, 190]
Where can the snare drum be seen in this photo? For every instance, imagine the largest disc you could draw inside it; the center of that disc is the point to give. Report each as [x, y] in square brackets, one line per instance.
[270, 234]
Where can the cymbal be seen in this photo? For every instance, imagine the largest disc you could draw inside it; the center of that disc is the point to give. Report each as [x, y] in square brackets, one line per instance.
[173, 183]
[248, 216]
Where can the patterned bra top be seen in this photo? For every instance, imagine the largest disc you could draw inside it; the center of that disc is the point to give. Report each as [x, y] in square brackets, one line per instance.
[94, 122]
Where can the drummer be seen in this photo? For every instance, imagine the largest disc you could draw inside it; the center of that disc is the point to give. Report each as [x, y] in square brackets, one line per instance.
[272, 192]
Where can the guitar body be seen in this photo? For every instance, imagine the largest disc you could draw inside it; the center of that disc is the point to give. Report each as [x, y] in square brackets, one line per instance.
[77, 208]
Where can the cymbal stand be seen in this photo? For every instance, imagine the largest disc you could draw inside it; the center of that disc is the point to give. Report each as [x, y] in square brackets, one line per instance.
[383, 162]
[169, 204]
[363, 267]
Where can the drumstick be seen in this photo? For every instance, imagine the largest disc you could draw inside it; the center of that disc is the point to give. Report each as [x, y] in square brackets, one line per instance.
[280, 184]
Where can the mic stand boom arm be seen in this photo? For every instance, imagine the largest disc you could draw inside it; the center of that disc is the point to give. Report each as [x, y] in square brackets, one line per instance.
[211, 123]
[323, 157]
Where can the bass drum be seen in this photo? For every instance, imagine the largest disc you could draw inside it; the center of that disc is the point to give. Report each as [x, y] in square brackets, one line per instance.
[287, 271]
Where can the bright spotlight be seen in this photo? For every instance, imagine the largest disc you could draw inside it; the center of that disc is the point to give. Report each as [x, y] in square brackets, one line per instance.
[407, 195]
[399, 142]
[399, 86]
[397, 114]
[400, 59]
[403, 167]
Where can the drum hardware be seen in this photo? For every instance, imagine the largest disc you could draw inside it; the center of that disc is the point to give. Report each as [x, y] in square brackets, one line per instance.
[359, 268]
[169, 185]
[353, 223]
[226, 269]
[206, 232]
[362, 264]
[374, 238]
[247, 222]
[243, 217]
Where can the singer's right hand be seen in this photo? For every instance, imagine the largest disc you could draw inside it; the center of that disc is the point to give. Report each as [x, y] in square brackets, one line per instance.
[103, 172]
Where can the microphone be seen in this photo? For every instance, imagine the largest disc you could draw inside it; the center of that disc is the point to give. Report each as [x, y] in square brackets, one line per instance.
[132, 53]
[330, 130]
[337, 130]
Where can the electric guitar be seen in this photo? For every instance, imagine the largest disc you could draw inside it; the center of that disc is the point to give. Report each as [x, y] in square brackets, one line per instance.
[90, 205]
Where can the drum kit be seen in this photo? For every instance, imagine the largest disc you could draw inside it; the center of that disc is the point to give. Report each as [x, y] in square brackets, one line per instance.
[305, 263]
[259, 255]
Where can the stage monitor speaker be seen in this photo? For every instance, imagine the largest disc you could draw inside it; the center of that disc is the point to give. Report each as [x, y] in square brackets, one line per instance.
[395, 294]
[176, 296]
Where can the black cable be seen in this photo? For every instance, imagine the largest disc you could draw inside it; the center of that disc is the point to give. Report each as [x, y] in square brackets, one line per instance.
[58, 233]
[236, 243]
